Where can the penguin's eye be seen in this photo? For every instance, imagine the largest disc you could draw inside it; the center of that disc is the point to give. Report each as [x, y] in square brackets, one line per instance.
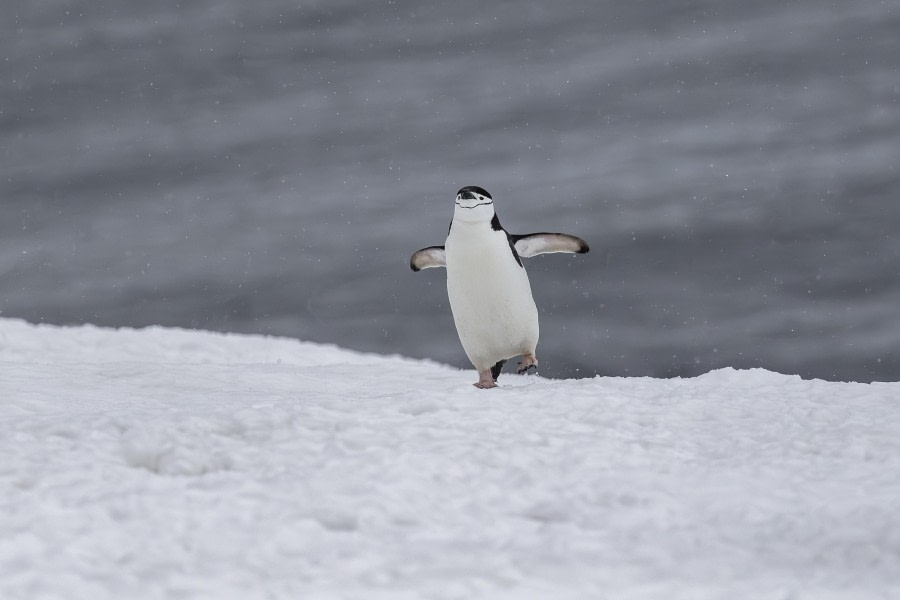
[480, 197]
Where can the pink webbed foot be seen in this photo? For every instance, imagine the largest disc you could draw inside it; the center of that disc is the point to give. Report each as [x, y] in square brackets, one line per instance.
[528, 363]
[485, 380]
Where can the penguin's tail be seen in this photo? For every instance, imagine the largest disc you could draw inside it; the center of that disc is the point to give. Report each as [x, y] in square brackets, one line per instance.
[495, 370]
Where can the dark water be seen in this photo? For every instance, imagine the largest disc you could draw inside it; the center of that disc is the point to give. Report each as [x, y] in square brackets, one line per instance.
[269, 167]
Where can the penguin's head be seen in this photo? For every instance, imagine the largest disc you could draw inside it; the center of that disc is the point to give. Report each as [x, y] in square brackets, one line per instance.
[473, 204]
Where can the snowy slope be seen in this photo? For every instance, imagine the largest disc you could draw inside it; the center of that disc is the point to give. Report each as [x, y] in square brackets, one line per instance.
[173, 464]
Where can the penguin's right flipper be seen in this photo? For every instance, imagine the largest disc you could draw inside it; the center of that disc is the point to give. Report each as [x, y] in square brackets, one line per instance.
[428, 258]
[532, 244]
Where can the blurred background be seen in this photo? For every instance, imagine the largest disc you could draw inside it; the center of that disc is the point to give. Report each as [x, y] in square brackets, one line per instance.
[269, 166]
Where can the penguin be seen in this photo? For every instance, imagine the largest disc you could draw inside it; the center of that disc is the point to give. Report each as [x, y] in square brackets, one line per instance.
[490, 295]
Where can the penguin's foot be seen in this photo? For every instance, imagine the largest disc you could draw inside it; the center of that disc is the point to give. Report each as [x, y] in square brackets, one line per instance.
[528, 364]
[485, 380]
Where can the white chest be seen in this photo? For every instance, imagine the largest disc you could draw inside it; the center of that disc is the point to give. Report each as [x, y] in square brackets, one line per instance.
[490, 295]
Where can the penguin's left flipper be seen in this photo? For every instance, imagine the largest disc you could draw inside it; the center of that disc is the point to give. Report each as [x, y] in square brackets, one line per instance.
[428, 258]
[532, 244]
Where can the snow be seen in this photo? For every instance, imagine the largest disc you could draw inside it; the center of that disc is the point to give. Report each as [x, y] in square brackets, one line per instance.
[163, 463]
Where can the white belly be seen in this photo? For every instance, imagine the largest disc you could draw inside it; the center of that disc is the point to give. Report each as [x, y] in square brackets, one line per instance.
[490, 296]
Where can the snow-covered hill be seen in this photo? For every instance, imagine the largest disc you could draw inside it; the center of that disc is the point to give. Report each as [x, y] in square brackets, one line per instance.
[174, 464]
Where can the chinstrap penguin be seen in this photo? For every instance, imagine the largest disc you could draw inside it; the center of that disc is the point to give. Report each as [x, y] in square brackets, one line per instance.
[490, 295]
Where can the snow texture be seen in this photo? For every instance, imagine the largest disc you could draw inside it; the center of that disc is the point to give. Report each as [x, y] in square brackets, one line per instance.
[163, 463]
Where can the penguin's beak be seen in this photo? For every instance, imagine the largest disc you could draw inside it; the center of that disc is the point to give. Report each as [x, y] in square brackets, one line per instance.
[466, 196]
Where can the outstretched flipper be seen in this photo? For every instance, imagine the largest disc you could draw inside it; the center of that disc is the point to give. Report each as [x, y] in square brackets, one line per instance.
[532, 244]
[428, 258]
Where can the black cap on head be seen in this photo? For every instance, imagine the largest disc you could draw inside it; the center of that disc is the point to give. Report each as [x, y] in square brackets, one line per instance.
[470, 190]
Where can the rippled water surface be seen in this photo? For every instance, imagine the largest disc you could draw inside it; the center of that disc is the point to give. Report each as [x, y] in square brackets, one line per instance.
[269, 167]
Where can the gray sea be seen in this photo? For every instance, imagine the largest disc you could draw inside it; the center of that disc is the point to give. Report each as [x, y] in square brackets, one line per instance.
[269, 166]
